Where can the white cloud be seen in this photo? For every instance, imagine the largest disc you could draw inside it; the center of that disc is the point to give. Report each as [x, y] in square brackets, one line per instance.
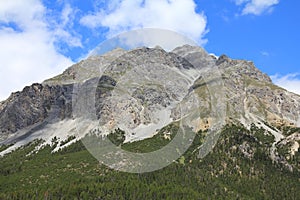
[291, 82]
[256, 7]
[149, 37]
[175, 15]
[27, 44]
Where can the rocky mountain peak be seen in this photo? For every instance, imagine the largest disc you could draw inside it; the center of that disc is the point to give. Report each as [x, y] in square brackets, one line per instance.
[223, 58]
[242, 69]
[154, 81]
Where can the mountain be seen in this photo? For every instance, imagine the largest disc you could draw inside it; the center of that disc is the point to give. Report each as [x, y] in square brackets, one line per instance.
[145, 92]
[250, 95]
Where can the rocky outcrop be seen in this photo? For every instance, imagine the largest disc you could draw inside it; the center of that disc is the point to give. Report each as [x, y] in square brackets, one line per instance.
[35, 104]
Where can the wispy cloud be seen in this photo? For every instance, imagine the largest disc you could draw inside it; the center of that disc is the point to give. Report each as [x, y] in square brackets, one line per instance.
[28, 43]
[63, 30]
[256, 7]
[265, 53]
[124, 15]
[290, 82]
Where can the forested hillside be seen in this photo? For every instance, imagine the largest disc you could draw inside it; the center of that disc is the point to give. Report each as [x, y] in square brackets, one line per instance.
[239, 167]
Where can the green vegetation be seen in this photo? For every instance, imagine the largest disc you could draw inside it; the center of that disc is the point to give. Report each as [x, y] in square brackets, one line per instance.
[69, 139]
[286, 130]
[285, 151]
[226, 173]
[117, 137]
[262, 136]
[3, 147]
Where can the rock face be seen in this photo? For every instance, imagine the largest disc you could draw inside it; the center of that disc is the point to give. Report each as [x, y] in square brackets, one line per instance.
[35, 104]
[139, 90]
[143, 87]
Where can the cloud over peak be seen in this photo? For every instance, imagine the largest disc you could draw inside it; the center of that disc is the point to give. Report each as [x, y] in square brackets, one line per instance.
[175, 15]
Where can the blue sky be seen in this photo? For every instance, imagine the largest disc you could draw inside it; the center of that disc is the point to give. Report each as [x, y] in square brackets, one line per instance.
[41, 38]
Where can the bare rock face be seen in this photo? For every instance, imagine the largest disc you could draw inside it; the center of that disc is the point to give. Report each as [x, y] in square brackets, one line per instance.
[253, 95]
[148, 83]
[86, 69]
[33, 105]
[197, 56]
[250, 94]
